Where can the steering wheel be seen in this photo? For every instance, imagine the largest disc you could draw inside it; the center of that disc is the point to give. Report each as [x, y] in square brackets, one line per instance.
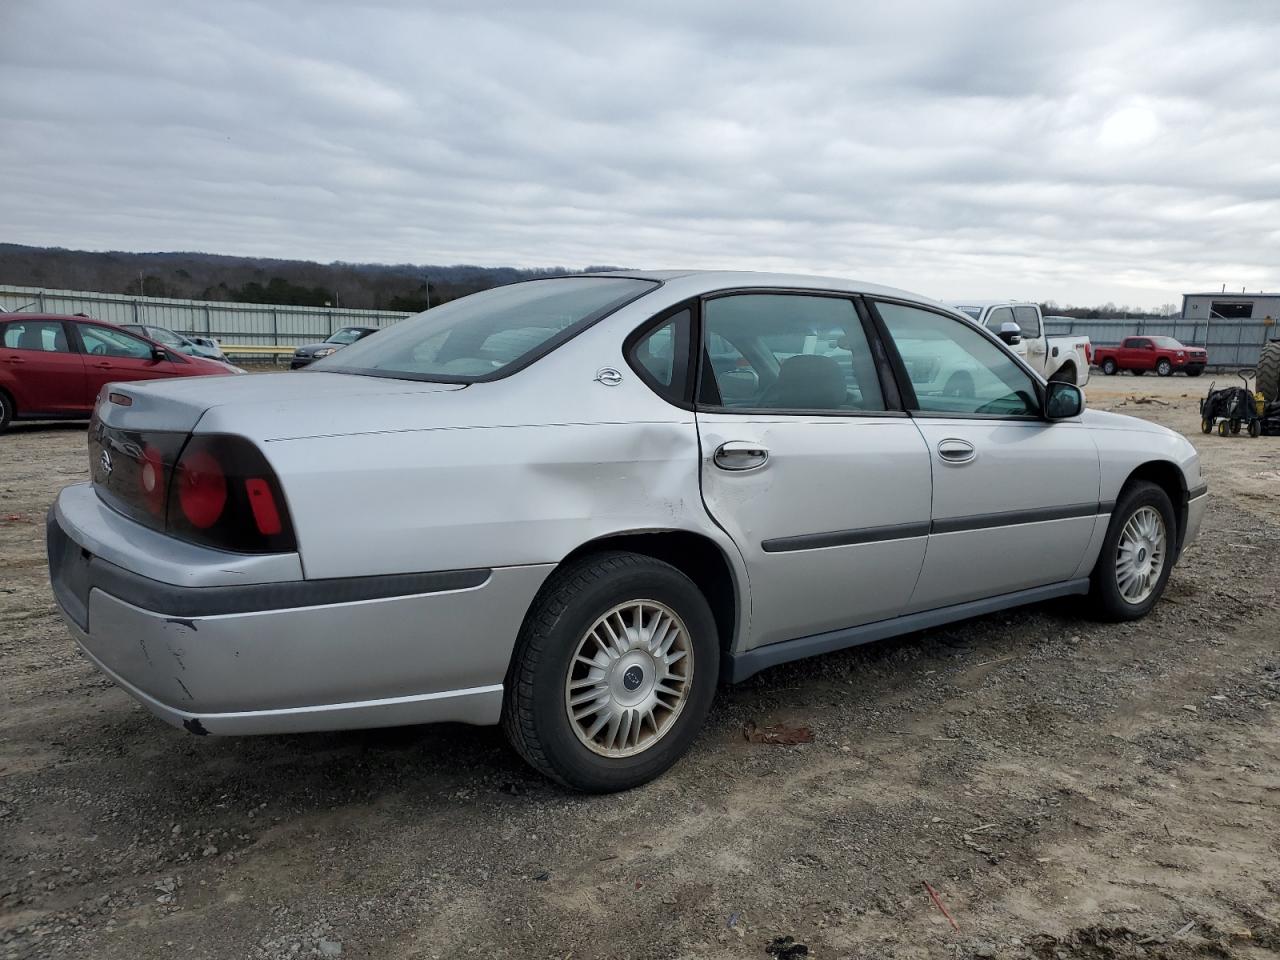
[98, 350]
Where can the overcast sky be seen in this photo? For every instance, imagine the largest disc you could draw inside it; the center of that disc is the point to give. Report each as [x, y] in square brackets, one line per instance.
[1121, 151]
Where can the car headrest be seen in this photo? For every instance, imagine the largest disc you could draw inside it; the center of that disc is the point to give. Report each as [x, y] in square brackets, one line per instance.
[808, 381]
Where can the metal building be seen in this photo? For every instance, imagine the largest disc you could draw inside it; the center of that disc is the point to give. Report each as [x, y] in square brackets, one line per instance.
[1231, 306]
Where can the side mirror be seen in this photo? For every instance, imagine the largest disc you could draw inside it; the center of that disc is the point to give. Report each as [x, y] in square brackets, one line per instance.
[1062, 401]
[158, 354]
[1010, 333]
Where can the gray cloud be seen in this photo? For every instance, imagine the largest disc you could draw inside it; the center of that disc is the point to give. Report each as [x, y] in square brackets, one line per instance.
[1091, 152]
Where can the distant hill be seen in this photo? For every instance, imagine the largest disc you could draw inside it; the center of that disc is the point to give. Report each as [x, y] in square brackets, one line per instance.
[208, 276]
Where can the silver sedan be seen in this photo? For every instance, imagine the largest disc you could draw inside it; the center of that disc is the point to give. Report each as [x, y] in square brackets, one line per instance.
[572, 506]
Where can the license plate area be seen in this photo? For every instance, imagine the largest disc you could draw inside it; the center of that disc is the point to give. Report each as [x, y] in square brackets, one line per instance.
[69, 574]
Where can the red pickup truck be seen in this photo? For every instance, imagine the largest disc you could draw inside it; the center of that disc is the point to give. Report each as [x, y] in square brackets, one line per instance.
[1164, 355]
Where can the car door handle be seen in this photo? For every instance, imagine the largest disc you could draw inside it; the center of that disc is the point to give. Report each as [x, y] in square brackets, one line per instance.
[740, 455]
[103, 365]
[15, 360]
[952, 450]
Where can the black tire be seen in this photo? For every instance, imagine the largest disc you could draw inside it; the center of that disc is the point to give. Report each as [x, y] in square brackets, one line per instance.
[1206, 425]
[1109, 367]
[1108, 602]
[574, 597]
[6, 411]
[1224, 428]
[1268, 375]
[1255, 428]
[1164, 367]
[1235, 426]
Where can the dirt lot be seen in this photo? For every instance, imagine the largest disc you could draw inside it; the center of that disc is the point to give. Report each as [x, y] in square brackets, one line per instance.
[1067, 788]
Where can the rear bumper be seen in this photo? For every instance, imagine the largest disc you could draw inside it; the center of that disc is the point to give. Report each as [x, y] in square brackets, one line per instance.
[296, 655]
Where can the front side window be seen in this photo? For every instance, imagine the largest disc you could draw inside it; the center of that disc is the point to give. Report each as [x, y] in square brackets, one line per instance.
[46, 336]
[1028, 321]
[956, 370]
[101, 342]
[788, 352]
[998, 317]
[480, 336]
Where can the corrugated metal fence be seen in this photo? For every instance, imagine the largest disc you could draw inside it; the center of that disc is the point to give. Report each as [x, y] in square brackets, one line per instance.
[230, 323]
[1231, 343]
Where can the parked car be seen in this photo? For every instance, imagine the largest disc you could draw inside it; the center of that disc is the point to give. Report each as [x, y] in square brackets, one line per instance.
[52, 367]
[203, 347]
[1164, 355]
[1020, 325]
[563, 526]
[332, 344]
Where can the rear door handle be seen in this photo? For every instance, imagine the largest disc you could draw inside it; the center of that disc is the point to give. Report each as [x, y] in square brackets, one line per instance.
[103, 365]
[953, 450]
[740, 455]
[15, 360]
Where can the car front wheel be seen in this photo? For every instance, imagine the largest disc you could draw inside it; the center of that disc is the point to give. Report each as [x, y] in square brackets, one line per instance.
[1109, 367]
[1164, 368]
[1137, 554]
[613, 674]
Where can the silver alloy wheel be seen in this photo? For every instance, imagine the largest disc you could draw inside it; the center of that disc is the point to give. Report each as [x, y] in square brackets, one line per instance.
[1140, 554]
[629, 678]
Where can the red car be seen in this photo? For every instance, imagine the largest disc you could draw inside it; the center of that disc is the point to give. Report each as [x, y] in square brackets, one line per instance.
[1164, 355]
[52, 367]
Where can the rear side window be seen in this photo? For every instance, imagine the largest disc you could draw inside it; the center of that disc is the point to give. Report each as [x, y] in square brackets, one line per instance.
[46, 336]
[661, 357]
[789, 353]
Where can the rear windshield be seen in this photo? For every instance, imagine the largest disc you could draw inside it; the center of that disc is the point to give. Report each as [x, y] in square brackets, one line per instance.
[487, 334]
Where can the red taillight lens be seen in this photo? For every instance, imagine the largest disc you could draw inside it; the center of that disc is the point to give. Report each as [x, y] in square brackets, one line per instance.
[265, 512]
[202, 488]
[224, 494]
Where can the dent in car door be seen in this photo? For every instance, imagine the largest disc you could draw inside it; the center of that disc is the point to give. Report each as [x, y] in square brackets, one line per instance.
[1015, 498]
[825, 493]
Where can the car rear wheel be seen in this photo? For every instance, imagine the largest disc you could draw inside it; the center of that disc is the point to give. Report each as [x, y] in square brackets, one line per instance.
[613, 673]
[1109, 367]
[1137, 554]
[1164, 368]
[6, 411]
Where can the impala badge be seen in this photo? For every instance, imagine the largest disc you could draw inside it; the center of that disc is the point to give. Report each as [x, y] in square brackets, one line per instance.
[608, 376]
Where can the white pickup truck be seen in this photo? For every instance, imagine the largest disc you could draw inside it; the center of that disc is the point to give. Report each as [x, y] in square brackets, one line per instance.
[1020, 325]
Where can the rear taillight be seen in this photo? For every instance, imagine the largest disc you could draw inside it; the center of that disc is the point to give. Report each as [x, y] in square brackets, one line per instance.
[212, 489]
[152, 481]
[1088, 353]
[224, 494]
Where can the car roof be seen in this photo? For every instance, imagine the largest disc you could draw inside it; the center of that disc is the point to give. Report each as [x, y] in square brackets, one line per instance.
[978, 302]
[709, 281]
[6, 317]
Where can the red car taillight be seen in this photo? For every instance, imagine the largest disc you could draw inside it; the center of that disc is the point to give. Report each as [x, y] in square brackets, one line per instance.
[224, 494]
[214, 489]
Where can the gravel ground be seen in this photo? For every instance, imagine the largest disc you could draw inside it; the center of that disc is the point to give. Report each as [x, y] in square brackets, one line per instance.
[1066, 788]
